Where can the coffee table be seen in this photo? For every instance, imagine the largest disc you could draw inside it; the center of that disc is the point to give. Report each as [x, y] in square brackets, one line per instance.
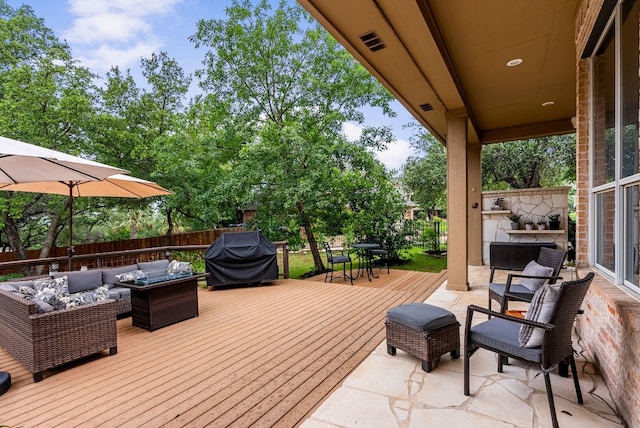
[164, 303]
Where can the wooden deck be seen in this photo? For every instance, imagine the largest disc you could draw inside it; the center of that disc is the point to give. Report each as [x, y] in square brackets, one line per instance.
[259, 356]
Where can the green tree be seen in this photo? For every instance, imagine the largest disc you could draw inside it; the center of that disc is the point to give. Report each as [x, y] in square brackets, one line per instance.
[537, 162]
[289, 87]
[45, 99]
[134, 128]
[426, 175]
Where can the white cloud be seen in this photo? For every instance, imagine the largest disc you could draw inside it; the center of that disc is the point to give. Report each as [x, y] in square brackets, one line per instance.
[107, 27]
[393, 158]
[395, 155]
[352, 131]
[115, 32]
[105, 56]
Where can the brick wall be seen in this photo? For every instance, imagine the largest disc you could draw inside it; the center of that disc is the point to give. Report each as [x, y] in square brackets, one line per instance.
[611, 322]
[609, 329]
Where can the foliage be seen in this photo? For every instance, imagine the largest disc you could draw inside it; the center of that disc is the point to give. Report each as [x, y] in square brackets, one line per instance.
[538, 162]
[289, 87]
[431, 239]
[413, 258]
[46, 99]
[515, 218]
[426, 176]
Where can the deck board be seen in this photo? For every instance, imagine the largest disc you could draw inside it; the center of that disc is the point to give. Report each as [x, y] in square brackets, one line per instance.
[256, 356]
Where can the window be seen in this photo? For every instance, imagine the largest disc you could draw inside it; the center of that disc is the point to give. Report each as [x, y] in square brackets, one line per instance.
[615, 146]
[632, 238]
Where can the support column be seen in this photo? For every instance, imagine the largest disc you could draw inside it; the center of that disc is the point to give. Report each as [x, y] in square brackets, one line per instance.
[457, 206]
[474, 197]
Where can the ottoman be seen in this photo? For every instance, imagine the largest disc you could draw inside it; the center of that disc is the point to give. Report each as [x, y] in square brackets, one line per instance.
[5, 382]
[424, 331]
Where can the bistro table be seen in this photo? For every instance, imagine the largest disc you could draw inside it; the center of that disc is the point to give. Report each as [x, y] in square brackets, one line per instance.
[363, 249]
[158, 304]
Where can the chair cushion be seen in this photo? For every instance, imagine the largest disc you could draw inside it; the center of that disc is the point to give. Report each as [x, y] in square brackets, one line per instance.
[340, 259]
[535, 269]
[515, 290]
[5, 382]
[81, 280]
[541, 310]
[109, 274]
[154, 268]
[421, 316]
[10, 286]
[502, 335]
[122, 292]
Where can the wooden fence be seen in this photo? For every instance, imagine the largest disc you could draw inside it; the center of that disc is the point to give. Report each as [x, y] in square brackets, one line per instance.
[126, 252]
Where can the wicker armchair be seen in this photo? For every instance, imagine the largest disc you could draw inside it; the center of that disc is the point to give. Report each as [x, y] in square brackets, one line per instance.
[502, 293]
[44, 341]
[500, 334]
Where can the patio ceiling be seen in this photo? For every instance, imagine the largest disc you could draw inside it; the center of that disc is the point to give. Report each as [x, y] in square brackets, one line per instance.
[446, 55]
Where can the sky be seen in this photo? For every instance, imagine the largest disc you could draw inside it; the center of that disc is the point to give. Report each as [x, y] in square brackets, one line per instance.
[104, 33]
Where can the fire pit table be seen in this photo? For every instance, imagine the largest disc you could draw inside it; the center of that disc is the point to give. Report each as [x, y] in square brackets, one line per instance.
[162, 301]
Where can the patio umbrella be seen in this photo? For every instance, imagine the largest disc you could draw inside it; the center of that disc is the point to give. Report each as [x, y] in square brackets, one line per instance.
[117, 185]
[22, 162]
[43, 170]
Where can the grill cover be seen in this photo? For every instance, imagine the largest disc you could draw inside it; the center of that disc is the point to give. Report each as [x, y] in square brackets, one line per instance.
[241, 258]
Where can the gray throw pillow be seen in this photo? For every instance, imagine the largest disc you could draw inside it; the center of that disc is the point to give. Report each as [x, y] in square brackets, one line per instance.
[541, 309]
[535, 269]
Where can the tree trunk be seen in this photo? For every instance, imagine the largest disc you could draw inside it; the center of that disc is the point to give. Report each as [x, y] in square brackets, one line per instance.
[13, 237]
[52, 232]
[313, 244]
[170, 225]
[133, 229]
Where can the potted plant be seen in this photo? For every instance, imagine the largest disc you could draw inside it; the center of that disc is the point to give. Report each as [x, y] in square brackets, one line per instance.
[542, 223]
[515, 221]
[497, 204]
[554, 221]
[528, 224]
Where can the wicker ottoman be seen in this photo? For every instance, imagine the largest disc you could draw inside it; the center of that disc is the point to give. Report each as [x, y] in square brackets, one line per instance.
[5, 382]
[424, 331]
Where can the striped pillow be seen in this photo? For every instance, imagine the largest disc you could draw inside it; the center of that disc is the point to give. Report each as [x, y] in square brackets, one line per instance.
[541, 309]
[535, 269]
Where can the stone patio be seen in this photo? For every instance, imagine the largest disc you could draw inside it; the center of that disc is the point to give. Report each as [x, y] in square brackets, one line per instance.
[393, 391]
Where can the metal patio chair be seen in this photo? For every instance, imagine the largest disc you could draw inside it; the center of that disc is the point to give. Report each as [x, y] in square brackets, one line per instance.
[337, 259]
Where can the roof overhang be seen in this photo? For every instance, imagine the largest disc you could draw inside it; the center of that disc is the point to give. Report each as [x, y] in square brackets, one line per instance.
[440, 56]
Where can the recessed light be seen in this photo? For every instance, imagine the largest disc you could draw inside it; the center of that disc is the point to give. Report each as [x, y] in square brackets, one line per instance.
[514, 62]
[548, 103]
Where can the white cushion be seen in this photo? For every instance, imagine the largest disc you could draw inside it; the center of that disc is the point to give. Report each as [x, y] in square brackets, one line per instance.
[541, 310]
[535, 269]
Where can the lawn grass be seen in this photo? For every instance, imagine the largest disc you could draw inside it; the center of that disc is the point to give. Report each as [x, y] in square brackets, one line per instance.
[301, 263]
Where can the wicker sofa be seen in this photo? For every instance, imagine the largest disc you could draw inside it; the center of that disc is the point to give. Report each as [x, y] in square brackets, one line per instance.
[89, 280]
[41, 341]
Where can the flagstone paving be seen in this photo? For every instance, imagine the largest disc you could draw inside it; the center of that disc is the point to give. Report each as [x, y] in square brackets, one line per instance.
[394, 391]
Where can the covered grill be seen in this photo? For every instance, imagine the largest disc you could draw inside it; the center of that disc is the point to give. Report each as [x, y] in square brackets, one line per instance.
[241, 258]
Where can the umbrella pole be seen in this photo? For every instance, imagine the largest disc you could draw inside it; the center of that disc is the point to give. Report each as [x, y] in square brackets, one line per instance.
[70, 248]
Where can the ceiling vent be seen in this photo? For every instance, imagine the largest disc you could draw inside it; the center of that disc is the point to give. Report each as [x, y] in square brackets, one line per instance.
[426, 107]
[372, 41]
